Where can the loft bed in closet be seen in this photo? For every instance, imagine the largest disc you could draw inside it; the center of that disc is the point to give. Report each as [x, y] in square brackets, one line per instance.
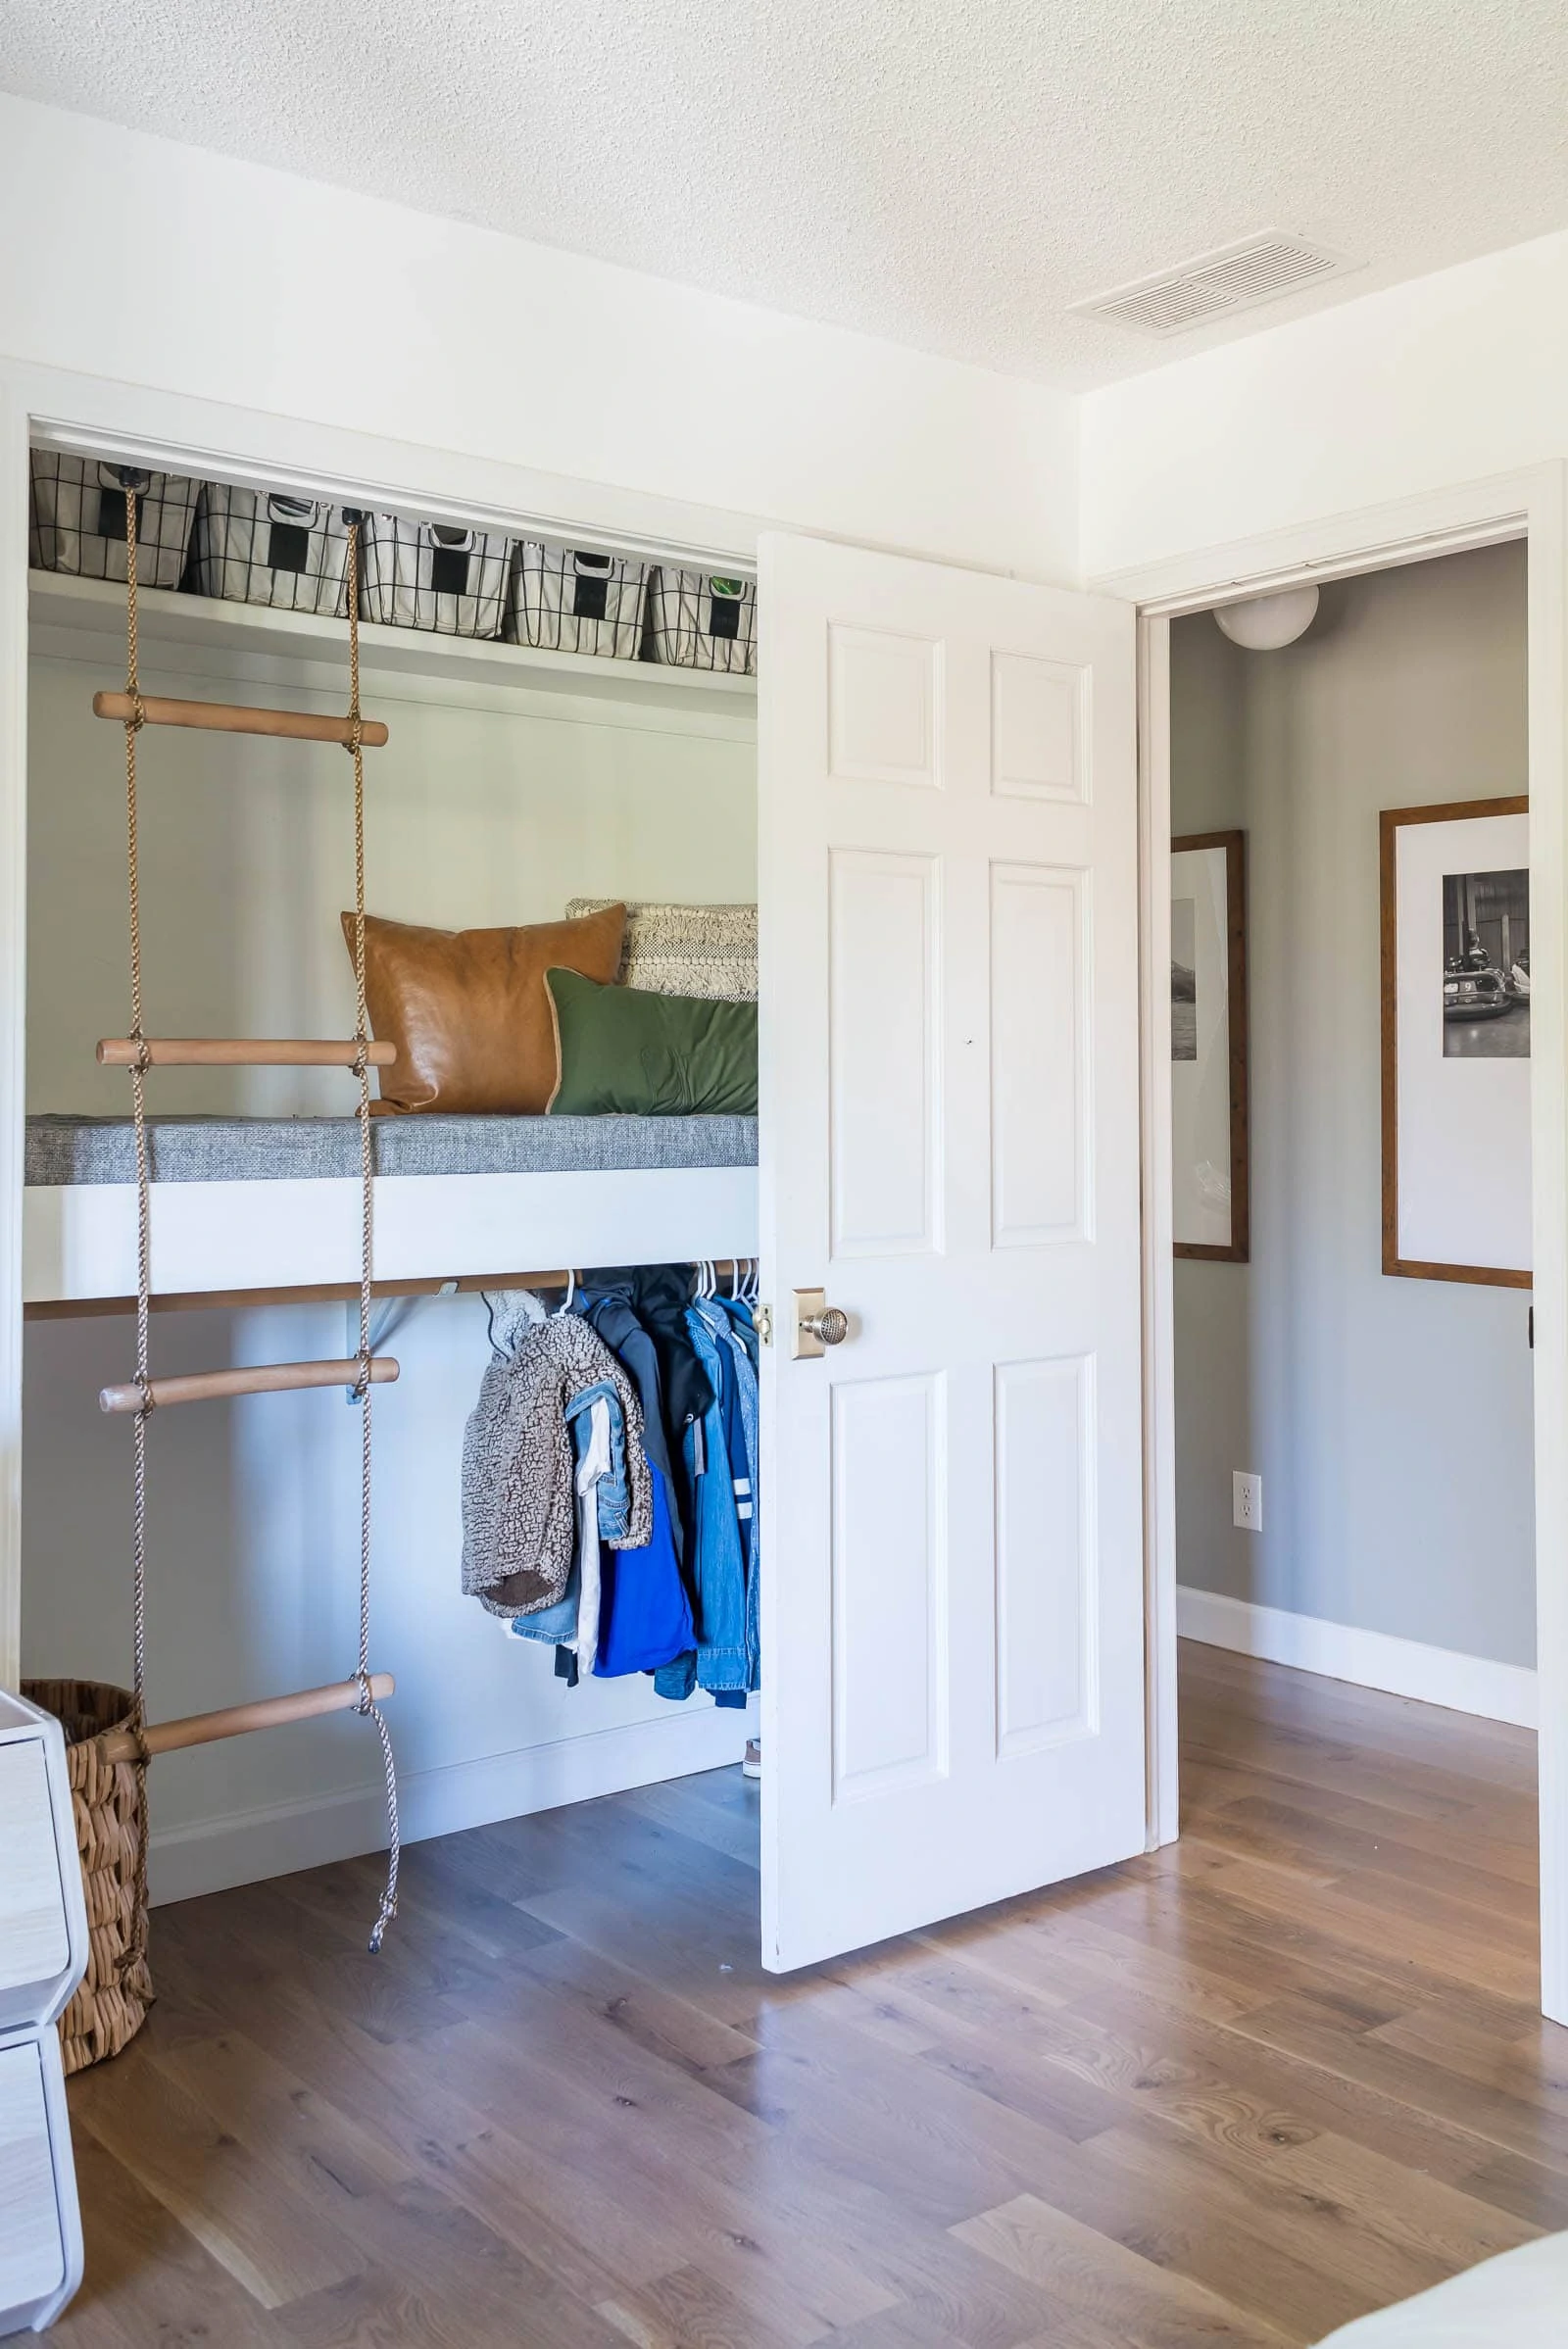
[230, 1208]
[248, 1208]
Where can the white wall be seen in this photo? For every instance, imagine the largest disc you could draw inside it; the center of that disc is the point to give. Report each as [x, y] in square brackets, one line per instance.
[136, 259]
[1391, 1420]
[1424, 386]
[485, 807]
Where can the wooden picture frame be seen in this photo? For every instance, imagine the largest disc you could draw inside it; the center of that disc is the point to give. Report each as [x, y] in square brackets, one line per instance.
[1236, 1251]
[1393, 822]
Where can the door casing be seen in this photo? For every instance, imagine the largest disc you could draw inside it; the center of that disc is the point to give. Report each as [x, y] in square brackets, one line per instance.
[1530, 505]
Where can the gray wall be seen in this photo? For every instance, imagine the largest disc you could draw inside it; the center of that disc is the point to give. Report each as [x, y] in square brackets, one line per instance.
[1389, 1419]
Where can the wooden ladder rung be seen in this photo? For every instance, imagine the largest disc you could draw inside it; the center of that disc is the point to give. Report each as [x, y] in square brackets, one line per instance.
[228, 718]
[234, 1720]
[265, 1378]
[242, 1052]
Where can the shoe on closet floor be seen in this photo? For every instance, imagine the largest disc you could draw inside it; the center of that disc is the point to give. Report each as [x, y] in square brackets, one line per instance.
[752, 1761]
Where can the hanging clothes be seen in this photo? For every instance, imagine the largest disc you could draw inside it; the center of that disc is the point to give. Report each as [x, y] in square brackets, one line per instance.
[716, 1565]
[624, 1609]
[572, 1624]
[634, 1589]
[645, 1617]
[658, 1295]
[731, 1317]
[519, 1498]
[604, 1302]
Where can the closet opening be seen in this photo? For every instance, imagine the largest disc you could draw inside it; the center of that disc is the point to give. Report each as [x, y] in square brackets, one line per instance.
[560, 894]
[1350, 1141]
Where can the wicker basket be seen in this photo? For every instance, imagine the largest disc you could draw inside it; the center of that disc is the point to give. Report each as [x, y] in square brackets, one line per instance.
[106, 1801]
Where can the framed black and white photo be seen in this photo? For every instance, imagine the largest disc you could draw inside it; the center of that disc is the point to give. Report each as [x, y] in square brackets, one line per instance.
[1208, 1045]
[1455, 913]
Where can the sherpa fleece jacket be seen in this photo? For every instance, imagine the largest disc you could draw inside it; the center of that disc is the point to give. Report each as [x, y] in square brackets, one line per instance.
[519, 1494]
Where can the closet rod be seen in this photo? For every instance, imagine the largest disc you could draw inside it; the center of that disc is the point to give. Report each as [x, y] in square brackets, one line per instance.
[226, 717]
[242, 1052]
[234, 1720]
[267, 1378]
[321, 1293]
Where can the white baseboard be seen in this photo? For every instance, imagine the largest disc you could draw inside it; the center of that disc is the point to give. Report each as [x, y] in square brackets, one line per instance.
[1372, 1660]
[245, 1846]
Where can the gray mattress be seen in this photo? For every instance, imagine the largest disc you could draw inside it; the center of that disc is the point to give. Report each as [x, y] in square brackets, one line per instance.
[234, 1150]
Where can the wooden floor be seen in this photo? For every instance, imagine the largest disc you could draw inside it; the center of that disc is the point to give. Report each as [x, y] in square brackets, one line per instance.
[1237, 2093]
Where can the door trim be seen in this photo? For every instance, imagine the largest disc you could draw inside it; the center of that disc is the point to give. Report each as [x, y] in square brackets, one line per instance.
[1530, 505]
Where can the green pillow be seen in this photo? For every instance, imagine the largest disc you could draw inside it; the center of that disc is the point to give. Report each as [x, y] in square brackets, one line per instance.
[621, 1051]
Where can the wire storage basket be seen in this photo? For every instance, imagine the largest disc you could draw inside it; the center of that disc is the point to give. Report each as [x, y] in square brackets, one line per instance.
[77, 518]
[700, 621]
[110, 1813]
[431, 576]
[570, 600]
[260, 546]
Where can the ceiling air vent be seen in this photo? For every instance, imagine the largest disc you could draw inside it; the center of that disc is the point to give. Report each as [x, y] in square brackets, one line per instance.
[1260, 268]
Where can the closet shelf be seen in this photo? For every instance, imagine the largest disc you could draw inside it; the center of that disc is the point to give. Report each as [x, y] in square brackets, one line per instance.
[97, 608]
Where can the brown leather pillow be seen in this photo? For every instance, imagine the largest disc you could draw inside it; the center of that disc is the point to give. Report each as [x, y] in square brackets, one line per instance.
[468, 1010]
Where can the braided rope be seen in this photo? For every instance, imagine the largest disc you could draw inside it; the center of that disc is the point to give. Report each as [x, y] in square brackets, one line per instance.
[362, 1388]
[144, 1246]
[138, 1097]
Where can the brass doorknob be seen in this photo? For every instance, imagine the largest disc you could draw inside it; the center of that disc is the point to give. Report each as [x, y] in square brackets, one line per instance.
[830, 1327]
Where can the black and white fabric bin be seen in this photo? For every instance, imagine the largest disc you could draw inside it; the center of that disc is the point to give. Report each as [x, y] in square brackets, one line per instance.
[77, 520]
[429, 576]
[260, 546]
[699, 620]
[569, 600]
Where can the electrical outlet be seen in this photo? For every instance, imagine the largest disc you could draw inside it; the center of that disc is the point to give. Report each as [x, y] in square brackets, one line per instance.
[1247, 1501]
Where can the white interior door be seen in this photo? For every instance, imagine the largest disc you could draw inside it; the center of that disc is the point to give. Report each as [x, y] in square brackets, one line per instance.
[952, 1560]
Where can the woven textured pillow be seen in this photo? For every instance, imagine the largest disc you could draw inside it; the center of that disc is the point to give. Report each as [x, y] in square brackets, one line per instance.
[685, 950]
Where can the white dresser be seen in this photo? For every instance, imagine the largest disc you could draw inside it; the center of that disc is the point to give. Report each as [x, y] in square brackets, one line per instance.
[43, 1954]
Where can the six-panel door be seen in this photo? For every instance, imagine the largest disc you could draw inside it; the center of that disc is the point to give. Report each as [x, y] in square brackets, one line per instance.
[951, 1560]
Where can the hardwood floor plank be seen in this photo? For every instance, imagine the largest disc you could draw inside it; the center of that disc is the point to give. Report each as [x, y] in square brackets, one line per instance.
[1311, 2229]
[1225, 1781]
[304, 2139]
[690, 2309]
[148, 2276]
[1256, 1825]
[1273, 2097]
[1138, 2303]
[1510, 2120]
[274, 2242]
[440, 2257]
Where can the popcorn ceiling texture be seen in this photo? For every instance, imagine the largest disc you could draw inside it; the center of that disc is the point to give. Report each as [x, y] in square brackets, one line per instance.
[944, 174]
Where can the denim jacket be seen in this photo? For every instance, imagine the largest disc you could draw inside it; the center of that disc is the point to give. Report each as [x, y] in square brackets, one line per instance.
[715, 1559]
[729, 1325]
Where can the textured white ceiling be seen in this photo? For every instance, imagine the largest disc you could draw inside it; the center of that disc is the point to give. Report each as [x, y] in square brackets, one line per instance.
[950, 173]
